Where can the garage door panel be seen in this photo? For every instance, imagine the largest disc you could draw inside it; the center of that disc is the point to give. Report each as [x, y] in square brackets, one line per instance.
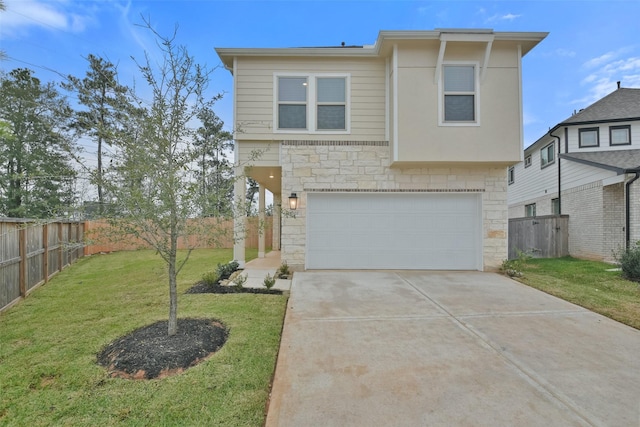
[394, 231]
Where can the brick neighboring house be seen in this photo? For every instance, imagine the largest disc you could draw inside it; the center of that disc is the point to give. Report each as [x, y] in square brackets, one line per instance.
[594, 158]
[396, 153]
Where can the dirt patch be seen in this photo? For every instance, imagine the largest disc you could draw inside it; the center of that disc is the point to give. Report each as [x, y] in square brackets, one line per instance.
[149, 352]
[203, 288]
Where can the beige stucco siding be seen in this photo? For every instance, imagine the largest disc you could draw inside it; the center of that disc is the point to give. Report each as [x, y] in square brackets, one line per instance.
[254, 96]
[496, 138]
[259, 153]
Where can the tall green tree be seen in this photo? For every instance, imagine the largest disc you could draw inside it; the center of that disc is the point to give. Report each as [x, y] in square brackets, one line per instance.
[215, 174]
[155, 181]
[105, 103]
[36, 176]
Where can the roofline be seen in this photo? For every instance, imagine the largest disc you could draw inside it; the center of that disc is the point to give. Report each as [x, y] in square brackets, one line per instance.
[619, 171]
[595, 122]
[227, 54]
[592, 163]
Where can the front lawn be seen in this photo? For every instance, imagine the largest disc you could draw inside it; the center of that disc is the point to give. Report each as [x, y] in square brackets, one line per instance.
[588, 284]
[49, 341]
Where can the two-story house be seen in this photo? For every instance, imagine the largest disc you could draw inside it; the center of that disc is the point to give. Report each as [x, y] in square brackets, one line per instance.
[395, 153]
[586, 167]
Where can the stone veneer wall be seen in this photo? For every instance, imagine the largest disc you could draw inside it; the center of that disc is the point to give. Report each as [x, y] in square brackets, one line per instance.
[364, 166]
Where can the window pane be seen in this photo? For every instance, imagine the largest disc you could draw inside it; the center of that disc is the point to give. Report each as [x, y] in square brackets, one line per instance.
[292, 89]
[589, 139]
[331, 89]
[292, 116]
[458, 108]
[331, 117]
[459, 78]
[620, 136]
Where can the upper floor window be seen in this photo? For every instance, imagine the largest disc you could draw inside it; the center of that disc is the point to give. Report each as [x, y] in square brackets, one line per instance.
[547, 155]
[312, 103]
[589, 137]
[620, 135]
[511, 175]
[527, 161]
[460, 94]
[292, 102]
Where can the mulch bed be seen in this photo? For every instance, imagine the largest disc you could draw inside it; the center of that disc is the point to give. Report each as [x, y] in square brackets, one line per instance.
[203, 288]
[149, 352]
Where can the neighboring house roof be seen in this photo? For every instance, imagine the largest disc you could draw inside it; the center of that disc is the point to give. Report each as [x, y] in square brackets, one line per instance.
[620, 105]
[619, 161]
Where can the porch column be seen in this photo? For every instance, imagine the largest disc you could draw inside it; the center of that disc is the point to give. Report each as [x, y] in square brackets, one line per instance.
[240, 216]
[261, 226]
[275, 244]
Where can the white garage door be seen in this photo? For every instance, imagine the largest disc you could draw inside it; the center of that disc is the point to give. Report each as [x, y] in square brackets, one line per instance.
[435, 231]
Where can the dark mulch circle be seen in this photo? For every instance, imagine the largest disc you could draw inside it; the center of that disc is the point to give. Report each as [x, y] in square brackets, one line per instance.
[149, 352]
[203, 288]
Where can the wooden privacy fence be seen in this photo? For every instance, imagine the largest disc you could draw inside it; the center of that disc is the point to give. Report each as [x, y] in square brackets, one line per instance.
[31, 252]
[98, 236]
[540, 237]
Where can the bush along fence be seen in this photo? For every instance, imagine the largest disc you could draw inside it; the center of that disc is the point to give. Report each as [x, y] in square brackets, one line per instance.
[31, 252]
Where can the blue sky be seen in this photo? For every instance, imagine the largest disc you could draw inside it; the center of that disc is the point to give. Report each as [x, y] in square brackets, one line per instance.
[591, 45]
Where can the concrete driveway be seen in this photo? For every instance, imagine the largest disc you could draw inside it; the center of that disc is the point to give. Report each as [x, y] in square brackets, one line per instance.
[448, 349]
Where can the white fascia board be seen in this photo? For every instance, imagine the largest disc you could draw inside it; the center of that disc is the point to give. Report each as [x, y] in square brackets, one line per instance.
[466, 37]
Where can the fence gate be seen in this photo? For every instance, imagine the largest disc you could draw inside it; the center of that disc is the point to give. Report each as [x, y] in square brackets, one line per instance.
[540, 237]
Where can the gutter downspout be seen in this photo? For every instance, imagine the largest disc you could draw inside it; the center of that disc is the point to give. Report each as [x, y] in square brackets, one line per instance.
[627, 207]
[559, 175]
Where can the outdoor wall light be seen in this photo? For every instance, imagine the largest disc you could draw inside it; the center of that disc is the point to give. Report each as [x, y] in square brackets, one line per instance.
[293, 201]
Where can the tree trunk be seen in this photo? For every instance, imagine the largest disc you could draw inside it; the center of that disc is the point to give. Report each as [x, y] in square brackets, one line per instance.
[173, 296]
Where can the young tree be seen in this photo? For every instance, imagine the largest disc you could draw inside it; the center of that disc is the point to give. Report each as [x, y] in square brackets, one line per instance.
[215, 173]
[36, 179]
[106, 103]
[155, 182]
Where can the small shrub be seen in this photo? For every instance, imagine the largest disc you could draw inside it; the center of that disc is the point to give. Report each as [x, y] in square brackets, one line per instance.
[211, 278]
[514, 267]
[283, 271]
[629, 260]
[225, 270]
[240, 280]
[269, 281]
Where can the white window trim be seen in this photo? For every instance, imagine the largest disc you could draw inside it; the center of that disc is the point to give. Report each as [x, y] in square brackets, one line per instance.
[527, 161]
[312, 103]
[553, 150]
[476, 98]
[511, 175]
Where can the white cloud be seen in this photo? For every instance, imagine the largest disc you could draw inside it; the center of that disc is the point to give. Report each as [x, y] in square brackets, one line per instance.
[503, 17]
[22, 15]
[606, 57]
[605, 71]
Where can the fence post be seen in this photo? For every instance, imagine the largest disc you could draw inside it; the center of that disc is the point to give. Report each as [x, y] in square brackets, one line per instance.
[45, 244]
[22, 242]
[60, 246]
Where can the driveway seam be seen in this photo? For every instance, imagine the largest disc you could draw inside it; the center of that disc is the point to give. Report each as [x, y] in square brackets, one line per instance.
[531, 377]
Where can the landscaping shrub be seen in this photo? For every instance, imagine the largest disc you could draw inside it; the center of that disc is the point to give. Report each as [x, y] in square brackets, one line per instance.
[240, 280]
[269, 281]
[514, 267]
[283, 271]
[211, 278]
[629, 260]
[225, 270]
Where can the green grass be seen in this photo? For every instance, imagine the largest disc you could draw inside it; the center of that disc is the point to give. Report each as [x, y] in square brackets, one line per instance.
[49, 342]
[588, 284]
